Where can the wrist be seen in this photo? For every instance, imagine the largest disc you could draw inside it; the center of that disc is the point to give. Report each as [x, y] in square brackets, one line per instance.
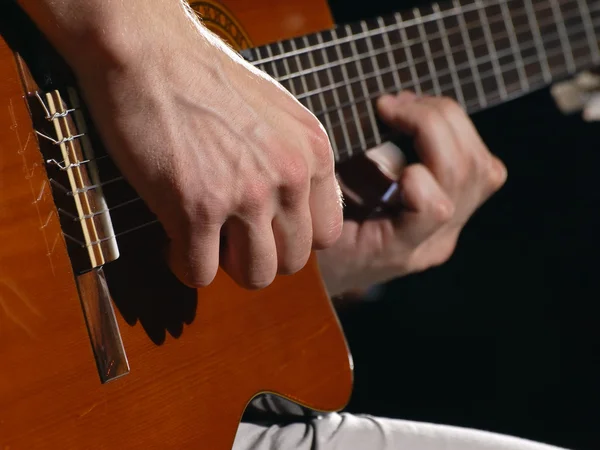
[108, 34]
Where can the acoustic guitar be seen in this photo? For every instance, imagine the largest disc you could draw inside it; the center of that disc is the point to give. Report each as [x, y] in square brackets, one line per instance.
[100, 347]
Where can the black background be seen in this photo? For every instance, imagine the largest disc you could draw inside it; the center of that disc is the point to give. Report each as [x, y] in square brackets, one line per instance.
[504, 337]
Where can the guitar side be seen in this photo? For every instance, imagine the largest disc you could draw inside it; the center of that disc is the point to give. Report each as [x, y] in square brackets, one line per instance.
[196, 357]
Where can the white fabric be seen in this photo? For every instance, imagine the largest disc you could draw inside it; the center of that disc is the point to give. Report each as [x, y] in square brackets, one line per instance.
[362, 432]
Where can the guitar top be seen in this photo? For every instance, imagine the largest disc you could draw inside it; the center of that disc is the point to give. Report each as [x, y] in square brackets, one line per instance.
[100, 346]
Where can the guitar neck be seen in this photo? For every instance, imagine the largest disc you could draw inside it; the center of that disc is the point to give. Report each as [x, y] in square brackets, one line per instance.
[479, 52]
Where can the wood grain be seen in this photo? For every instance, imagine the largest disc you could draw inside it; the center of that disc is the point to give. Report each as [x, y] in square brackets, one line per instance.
[267, 21]
[196, 357]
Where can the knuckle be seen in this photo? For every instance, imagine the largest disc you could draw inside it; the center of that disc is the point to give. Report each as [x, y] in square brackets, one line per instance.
[296, 178]
[321, 149]
[498, 174]
[257, 195]
[207, 208]
[443, 211]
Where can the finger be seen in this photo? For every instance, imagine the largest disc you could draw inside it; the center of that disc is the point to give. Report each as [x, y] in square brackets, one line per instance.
[250, 257]
[460, 123]
[389, 159]
[194, 259]
[325, 202]
[434, 139]
[477, 159]
[292, 230]
[427, 206]
[470, 144]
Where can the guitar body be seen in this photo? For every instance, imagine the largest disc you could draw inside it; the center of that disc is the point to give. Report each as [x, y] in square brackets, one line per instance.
[195, 358]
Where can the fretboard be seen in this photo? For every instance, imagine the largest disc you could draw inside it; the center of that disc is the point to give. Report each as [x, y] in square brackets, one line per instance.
[479, 52]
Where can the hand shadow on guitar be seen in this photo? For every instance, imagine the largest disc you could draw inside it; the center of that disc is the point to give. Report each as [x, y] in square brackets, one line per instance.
[145, 290]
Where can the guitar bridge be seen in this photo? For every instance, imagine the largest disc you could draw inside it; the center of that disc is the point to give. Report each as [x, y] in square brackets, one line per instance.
[72, 169]
[73, 174]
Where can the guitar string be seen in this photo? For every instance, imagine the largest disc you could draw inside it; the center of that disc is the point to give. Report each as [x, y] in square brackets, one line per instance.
[506, 68]
[404, 24]
[573, 44]
[416, 61]
[156, 221]
[434, 75]
[473, 44]
[428, 77]
[548, 51]
[550, 37]
[400, 46]
[519, 63]
[450, 32]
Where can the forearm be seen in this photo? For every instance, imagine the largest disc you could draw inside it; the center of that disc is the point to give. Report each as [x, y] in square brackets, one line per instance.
[106, 31]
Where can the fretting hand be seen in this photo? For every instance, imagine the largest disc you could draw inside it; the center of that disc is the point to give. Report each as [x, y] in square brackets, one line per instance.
[456, 175]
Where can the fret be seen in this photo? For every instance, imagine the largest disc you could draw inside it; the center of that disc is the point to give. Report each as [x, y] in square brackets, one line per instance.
[512, 36]
[589, 30]
[508, 60]
[337, 102]
[409, 56]
[427, 48]
[282, 70]
[478, 51]
[564, 38]
[539, 43]
[449, 55]
[366, 95]
[322, 103]
[284, 61]
[300, 69]
[259, 57]
[459, 57]
[491, 48]
[309, 102]
[275, 72]
[550, 32]
[371, 51]
[594, 15]
[576, 30]
[470, 54]
[532, 64]
[390, 55]
[349, 92]
[264, 67]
